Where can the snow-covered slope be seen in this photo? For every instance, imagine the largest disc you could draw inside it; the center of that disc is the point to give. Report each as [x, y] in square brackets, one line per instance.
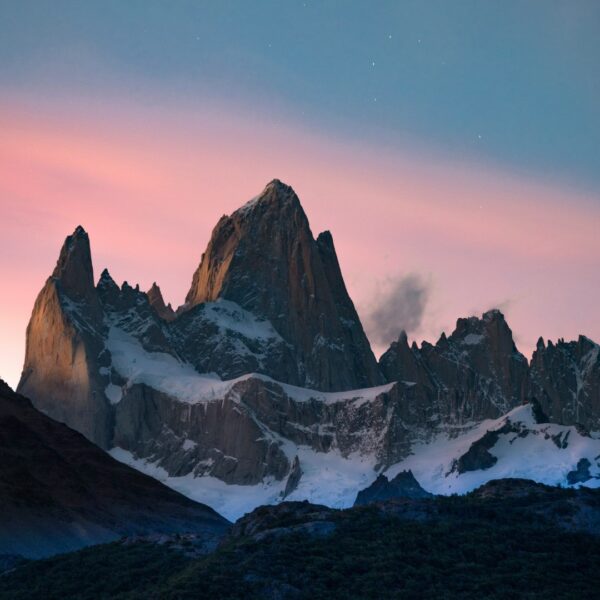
[515, 444]
[518, 446]
[168, 374]
[327, 478]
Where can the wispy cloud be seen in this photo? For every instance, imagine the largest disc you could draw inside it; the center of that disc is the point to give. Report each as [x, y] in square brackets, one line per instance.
[400, 305]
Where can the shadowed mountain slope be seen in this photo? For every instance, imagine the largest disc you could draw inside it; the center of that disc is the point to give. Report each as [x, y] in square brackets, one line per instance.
[59, 492]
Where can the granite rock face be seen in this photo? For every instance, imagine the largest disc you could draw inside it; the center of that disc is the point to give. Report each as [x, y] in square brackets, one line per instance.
[264, 258]
[238, 438]
[64, 345]
[476, 373]
[565, 380]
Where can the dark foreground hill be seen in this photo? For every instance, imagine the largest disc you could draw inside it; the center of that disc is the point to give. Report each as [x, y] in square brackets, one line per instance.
[59, 492]
[509, 539]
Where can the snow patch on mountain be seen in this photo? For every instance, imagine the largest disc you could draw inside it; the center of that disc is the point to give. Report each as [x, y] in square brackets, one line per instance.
[545, 453]
[229, 316]
[114, 393]
[358, 397]
[472, 339]
[178, 379]
[327, 478]
[162, 371]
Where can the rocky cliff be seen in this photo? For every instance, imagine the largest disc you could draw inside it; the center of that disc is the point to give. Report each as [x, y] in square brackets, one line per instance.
[264, 258]
[64, 347]
[565, 379]
[476, 373]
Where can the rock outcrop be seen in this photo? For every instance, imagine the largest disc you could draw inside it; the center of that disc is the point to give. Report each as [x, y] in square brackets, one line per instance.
[64, 349]
[59, 492]
[155, 298]
[476, 373]
[565, 380]
[264, 258]
[403, 485]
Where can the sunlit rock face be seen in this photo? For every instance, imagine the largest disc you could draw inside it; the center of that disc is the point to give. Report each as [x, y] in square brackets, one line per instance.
[264, 258]
[65, 341]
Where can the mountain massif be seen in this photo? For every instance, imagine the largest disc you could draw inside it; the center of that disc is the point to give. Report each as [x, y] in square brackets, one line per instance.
[265, 379]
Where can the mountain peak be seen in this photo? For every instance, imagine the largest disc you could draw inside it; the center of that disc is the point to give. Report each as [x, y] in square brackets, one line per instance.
[264, 228]
[157, 302]
[491, 326]
[277, 183]
[108, 290]
[493, 314]
[106, 278]
[74, 268]
[278, 188]
[325, 239]
[264, 258]
[275, 197]
[402, 338]
[106, 282]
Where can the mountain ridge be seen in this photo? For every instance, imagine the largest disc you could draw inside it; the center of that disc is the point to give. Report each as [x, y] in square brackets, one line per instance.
[220, 392]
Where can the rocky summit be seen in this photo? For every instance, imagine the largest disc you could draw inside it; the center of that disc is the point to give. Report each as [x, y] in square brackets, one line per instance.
[475, 373]
[264, 377]
[265, 259]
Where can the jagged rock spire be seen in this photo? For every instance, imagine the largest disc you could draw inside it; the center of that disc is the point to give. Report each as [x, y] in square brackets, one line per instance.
[107, 289]
[61, 371]
[106, 282]
[265, 258]
[74, 268]
[267, 223]
[565, 379]
[156, 300]
[474, 373]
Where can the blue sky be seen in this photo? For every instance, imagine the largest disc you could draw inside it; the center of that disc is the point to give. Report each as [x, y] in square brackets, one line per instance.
[455, 141]
[516, 83]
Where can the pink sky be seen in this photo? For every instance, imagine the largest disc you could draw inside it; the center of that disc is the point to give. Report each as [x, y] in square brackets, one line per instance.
[148, 184]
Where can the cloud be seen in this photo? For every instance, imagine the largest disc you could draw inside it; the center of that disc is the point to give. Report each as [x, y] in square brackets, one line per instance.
[400, 305]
